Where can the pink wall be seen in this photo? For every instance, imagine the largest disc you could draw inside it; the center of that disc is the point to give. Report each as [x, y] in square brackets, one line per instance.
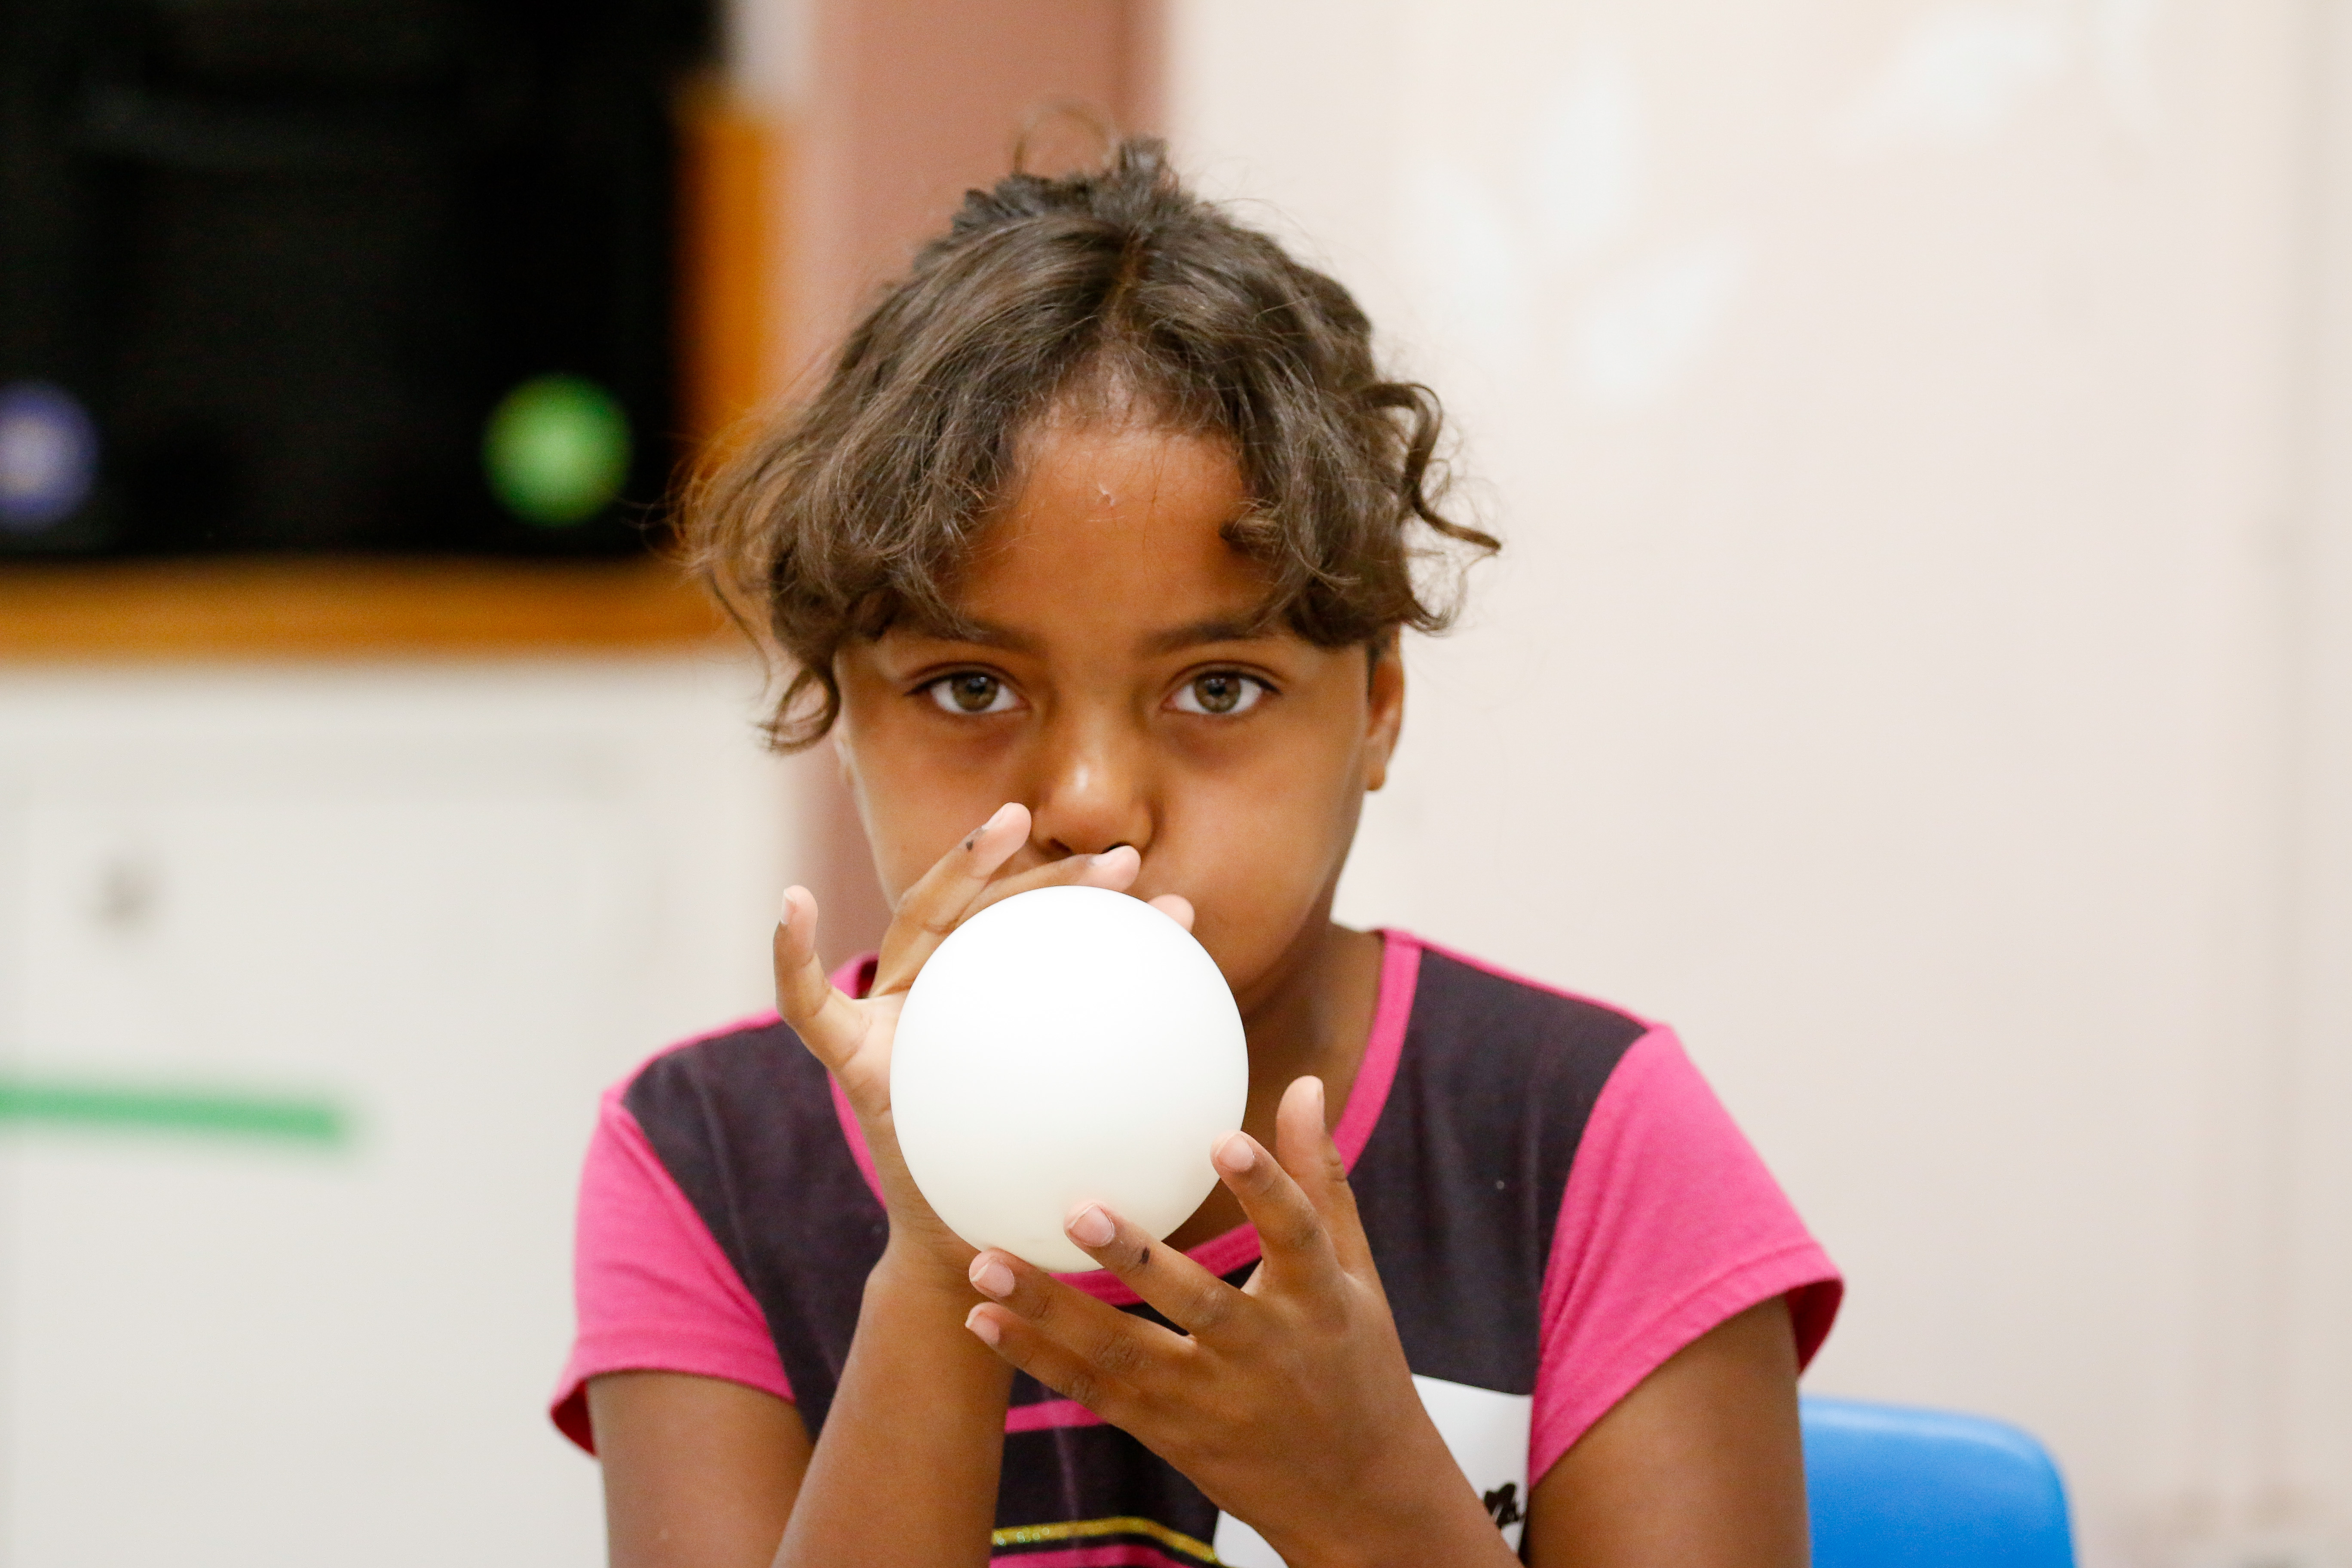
[904, 105]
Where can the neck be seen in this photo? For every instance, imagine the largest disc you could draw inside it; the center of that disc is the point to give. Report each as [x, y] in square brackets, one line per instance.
[1313, 1017]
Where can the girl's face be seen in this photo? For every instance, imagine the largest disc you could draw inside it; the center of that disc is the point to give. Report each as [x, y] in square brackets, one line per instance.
[1119, 690]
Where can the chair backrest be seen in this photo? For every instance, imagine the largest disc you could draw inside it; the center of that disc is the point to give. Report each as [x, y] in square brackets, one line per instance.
[1890, 1487]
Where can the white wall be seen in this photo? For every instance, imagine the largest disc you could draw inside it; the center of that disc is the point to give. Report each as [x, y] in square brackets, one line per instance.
[1899, 675]
[452, 901]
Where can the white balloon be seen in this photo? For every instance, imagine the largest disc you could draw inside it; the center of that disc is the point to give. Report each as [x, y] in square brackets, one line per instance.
[1066, 1045]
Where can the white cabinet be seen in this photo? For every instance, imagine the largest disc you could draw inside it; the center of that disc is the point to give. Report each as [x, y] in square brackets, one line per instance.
[406, 923]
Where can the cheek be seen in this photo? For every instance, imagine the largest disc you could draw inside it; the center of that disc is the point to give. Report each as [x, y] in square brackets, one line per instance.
[915, 801]
[1258, 845]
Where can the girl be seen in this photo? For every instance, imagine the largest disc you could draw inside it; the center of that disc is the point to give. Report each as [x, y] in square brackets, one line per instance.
[1091, 555]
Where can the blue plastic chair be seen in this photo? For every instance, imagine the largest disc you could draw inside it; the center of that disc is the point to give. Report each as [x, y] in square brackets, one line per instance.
[1890, 1487]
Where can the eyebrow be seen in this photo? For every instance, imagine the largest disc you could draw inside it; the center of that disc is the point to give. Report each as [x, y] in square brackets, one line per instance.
[1215, 629]
[984, 633]
[1197, 634]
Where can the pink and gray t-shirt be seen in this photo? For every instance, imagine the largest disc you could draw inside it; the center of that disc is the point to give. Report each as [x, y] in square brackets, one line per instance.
[1556, 1200]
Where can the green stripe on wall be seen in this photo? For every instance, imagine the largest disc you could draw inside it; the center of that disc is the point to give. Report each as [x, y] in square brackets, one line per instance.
[100, 1107]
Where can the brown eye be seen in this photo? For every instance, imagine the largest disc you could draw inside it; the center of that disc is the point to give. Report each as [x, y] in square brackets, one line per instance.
[1221, 694]
[972, 692]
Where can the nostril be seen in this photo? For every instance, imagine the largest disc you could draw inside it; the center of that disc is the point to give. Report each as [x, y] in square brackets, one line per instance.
[1064, 849]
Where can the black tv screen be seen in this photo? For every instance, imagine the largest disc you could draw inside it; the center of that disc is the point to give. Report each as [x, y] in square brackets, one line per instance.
[337, 275]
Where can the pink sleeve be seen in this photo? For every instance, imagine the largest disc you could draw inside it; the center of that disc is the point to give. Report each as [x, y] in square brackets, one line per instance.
[1670, 1226]
[654, 1291]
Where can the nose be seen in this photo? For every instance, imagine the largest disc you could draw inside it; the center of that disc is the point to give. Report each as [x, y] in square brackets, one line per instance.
[1093, 788]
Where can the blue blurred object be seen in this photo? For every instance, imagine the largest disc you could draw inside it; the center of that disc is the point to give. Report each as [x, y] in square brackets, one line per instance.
[1890, 1487]
[48, 456]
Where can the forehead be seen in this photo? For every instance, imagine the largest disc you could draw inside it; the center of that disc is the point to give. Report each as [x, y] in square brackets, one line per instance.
[1113, 531]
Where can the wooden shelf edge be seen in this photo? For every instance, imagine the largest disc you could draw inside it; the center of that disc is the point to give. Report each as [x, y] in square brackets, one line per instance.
[353, 608]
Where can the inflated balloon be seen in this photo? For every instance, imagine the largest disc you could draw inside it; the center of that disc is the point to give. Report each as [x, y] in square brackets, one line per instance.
[1066, 1045]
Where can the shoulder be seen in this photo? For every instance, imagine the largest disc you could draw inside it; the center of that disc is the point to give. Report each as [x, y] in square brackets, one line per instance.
[750, 1055]
[747, 1124]
[745, 1085]
[1556, 1199]
[1473, 1097]
[1480, 1024]
[725, 1082]
[660, 1270]
[1473, 985]
[741, 1118]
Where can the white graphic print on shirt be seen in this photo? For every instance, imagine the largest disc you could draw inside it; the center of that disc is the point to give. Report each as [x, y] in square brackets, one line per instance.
[1487, 1432]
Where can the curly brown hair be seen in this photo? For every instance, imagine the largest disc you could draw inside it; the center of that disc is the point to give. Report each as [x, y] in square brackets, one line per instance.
[1114, 292]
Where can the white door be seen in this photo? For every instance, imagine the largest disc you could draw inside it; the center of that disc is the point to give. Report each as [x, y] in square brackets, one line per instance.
[301, 1027]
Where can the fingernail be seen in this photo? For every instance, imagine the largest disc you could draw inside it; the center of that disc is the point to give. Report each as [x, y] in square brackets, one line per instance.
[990, 1277]
[1234, 1154]
[785, 919]
[1092, 1227]
[1106, 857]
[984, 1326]
[975, 834]
[1318, 1100]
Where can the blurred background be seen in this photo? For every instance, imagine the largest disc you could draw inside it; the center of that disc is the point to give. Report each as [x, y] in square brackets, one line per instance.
[1921, 669]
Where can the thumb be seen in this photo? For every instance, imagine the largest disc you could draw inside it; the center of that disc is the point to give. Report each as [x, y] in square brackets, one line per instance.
[827, 1022]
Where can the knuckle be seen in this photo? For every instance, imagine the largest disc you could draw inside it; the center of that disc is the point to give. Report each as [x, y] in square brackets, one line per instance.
[1078, 1384]
[1330, 1314]
[1212, 1307]
[1117, 1353]
[1032, 1301]
[1014, 1347]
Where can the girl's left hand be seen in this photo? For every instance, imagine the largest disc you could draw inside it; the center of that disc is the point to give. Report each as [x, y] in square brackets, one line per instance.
[1287, 1401]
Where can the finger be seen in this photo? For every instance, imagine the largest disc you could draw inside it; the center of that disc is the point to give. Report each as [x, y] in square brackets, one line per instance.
[1057, 1367]
[1087, 1350]
[1183, 1292]
[1114, 870]
[1291, 1231]
[1176, 906]
[1302, 1142]
[941, 898]
[827, 1022]
[907, 950]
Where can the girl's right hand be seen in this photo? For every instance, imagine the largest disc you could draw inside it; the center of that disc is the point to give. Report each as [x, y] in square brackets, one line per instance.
[852, 1036]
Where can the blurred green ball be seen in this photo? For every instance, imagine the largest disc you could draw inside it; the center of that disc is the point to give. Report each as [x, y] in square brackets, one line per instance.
[556, 451]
